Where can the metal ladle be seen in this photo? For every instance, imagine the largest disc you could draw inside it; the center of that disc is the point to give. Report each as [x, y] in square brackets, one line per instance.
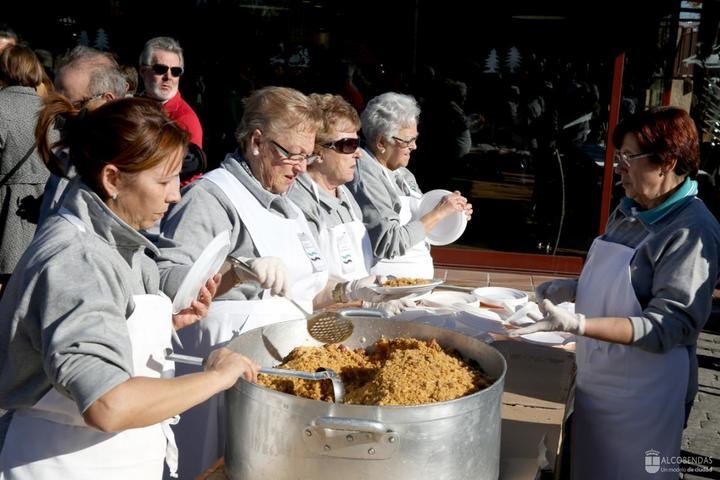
[322, 374]
[326, 326]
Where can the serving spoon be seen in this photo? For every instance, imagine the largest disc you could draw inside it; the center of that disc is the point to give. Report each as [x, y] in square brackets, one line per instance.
[322, 374]
[326, 326]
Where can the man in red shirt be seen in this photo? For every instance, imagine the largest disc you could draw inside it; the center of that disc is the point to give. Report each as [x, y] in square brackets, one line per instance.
[161, 66]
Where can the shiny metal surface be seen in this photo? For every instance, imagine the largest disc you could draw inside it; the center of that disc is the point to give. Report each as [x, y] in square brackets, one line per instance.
[279, 436]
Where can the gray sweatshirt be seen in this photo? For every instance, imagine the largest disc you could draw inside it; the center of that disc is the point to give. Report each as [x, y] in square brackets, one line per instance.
[203, 212]
[328, 211]
[64, 313]
[673, 274]
[380, 204]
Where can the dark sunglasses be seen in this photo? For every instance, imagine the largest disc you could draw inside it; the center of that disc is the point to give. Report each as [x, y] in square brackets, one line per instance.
[161, 69]
[344, 145]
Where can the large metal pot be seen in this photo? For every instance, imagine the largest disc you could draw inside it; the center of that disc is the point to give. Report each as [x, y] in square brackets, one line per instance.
[273, 435]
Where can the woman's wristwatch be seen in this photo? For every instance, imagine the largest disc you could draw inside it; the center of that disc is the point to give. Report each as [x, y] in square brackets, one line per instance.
[240, 268]
[338, 293]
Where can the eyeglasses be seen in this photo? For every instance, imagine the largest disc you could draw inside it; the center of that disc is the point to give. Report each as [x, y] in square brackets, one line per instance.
[344, 145]
[294, 158]
[626, 159]
[406, 143]
[161, 69]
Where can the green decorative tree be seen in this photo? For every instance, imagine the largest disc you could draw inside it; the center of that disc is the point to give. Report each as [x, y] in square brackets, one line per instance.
[513, 59]
[491, 62]
[102, 42]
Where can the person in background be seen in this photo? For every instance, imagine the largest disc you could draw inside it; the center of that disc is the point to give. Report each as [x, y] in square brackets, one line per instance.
[388, 193]
[330, 209]
[88, 78]
[22, 172]
[7, 38]
[83, 327]
[247, 196]
[131, 77]
[161, 66]
[642, 299]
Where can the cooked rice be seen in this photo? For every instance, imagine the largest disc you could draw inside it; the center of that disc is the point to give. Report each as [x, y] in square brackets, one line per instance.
[402, 371]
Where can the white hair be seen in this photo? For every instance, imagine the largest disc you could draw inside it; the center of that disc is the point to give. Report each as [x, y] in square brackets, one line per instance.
[167, 44]
[386, 114]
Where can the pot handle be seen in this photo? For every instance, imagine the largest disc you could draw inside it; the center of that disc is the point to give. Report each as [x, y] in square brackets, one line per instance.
[356, 438]
[355, 424]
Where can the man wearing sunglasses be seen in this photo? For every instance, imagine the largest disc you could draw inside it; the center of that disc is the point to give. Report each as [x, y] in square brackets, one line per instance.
[161, 66]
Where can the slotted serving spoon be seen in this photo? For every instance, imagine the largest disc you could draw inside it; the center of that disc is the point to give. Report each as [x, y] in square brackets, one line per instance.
[326, 326]
[322, 374]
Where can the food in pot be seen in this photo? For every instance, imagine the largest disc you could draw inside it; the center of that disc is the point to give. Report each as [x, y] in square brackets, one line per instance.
[405, 282]
[401, 371]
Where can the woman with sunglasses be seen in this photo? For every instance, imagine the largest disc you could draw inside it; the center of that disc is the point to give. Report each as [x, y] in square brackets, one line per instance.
[332, 213]
[83, 325]
[247, 196]
[388, 193]
[642, 299]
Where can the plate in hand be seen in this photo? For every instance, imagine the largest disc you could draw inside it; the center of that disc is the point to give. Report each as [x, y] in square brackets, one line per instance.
[548, 338]
[449, 228]
[406, 289]
[205, 267]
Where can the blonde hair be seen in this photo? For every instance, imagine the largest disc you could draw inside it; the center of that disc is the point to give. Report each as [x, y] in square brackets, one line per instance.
[276, 110]
[336, 114]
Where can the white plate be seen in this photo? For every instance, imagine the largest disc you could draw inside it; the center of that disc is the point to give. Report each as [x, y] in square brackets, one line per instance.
[547, 338]
[447, 298]
[449, 228]
[501, 296]
[407, 289]
[207, 265]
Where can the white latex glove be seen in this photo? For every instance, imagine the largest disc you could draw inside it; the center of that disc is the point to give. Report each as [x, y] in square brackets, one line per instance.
[557, 291]
[360, 289]
[391, 307]
[271, 273]
[556, 319]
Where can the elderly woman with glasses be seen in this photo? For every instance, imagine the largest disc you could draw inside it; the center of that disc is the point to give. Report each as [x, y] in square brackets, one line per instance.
[247, 196]
[388, 193]
[332, 213]
[642, 299]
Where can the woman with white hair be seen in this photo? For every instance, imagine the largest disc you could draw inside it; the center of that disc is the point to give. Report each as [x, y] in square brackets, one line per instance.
[388, 193]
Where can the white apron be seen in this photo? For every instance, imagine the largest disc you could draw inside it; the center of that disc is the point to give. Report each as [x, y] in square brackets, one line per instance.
[346, 247]
[628, 401]
[202, 428]
[416, 262]
[50, 440]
